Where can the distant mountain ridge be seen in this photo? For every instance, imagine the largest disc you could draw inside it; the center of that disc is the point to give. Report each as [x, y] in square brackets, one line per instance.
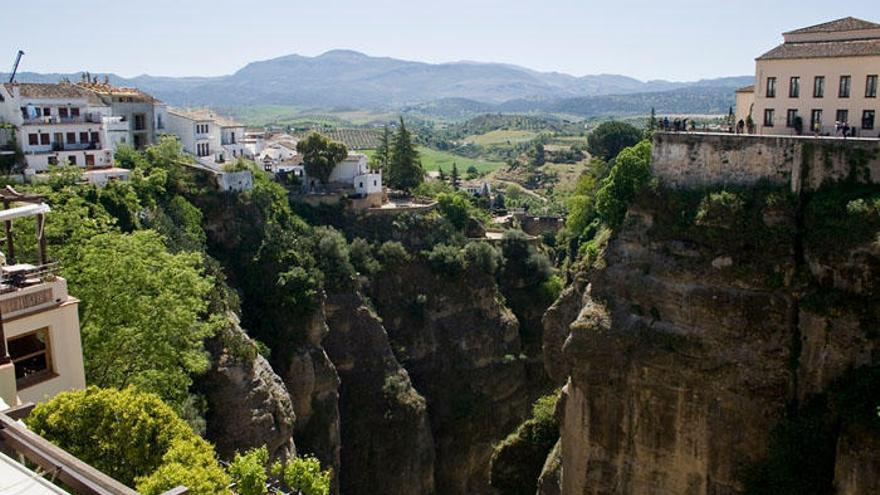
[345, 78]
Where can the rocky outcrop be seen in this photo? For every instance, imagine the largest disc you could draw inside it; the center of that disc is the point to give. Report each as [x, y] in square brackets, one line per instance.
[461, 347]
[556, 322]
[550, 481]
[700, 333]
[248, 404]
[313, 383]
[387, 444]
[857, 466]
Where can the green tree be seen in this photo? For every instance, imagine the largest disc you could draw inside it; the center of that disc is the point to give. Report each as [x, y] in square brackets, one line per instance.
[248, 471]
[455, 207]
[304, 475]
[631, 172]
[405, 167]
[131, 436]
[320, 155]
[652, 121]
[455, 178]
[142, 313]
[382, 156]
[609, 138]
[538, 155]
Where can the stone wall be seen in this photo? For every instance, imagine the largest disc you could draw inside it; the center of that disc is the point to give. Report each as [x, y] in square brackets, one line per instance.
[693, 160]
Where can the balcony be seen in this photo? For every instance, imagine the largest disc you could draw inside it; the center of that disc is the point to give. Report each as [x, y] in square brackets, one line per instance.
[55, 120]
[26, 288]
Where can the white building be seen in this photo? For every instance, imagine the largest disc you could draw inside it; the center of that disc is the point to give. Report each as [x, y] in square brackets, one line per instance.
[213, 139]
[57, 124]
[80, 124]
[351, 173]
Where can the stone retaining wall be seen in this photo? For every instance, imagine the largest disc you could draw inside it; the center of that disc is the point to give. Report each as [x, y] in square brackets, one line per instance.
[693, 160]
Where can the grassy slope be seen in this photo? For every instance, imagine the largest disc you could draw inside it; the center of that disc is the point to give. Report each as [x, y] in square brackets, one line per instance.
[434, 160]
[502, 137]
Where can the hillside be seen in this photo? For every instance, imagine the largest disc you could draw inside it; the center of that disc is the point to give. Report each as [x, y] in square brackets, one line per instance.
[344, 78]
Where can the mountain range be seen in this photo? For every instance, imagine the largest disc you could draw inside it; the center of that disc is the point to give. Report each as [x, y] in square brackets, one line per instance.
[349, 79]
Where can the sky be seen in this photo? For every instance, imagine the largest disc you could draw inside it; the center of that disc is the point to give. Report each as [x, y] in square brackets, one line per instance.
[677, 40]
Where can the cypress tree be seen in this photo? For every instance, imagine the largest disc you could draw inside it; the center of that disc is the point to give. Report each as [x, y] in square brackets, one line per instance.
[383, 151]
[454, 176]
[404, 167]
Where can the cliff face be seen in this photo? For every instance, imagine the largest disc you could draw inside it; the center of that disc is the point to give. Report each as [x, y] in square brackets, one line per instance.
[387, 440]
[698, 333]
[461, 347]
[249, 406]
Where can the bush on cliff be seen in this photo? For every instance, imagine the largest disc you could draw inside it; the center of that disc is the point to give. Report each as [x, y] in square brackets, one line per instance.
[610, 138]
[517, 461]
[630, 174]
[131, 436]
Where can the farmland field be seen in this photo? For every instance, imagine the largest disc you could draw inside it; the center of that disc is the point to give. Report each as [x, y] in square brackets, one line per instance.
[434, 160]
[502, 137]
[353, 139]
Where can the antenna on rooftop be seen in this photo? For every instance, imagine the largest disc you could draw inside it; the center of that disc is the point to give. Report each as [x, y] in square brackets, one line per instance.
[15, 66]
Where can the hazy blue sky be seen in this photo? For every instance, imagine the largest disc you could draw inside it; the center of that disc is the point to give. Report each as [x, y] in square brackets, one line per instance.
[656, 39]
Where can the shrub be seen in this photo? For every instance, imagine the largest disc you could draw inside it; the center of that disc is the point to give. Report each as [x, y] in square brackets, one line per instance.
[391, 253]
[517, 461]
[720, 209]
[131, 436]
[360, 252]
[483, 256]
[331, 253]
[610, 138]
[304, 474]
[631, 173]
[446, 259]
[248, 471]
[455, 207]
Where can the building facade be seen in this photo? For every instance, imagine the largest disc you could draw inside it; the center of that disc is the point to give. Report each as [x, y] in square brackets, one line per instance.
[819, 80]
[212, 139]
[79, 124]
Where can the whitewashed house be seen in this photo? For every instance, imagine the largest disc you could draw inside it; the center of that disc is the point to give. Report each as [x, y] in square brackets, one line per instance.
[212, 139]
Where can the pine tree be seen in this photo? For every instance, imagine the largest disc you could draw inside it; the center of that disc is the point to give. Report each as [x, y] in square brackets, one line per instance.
[383, 151]
[652, 124]
[404, 169]
[442, 175]
[454, 176]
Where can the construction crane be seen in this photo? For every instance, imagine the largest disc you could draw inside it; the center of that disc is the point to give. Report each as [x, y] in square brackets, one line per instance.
[15, 66]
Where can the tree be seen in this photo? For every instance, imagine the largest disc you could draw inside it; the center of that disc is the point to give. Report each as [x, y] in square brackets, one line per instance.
[631, 172]
[320, 155]
[441, 175]
[455, 207]
[538, 155]
[455, 177]
[382, 156]
[131, 436]
[405, 168]
[652, 122]
[142, 314]
[609, 138]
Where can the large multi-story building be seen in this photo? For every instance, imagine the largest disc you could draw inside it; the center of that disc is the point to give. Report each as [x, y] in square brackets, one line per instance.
[79, 124]
[820, 78]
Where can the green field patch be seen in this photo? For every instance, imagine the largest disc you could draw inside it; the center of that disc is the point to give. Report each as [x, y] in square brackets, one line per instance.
[501, 137]
[435, 160]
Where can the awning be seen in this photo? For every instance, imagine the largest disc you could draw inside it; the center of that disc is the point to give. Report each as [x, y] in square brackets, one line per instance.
[24, 211]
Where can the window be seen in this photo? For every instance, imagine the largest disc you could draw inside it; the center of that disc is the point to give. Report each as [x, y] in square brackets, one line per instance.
[819, 87]
[32, 357]
[790, 117]
[842, 116]
[845, 84]
[95, 138]
[74, 112]
[47, 112]
[794, 87]
[71, 159]
[140, 122]
[771, 87]
[62, 112]
[90, 160]
[233, 138]
[53, 160]
[768, 117]
[84, 137]
[871, 87]
[159, 124]
[868, 119]
[44, 139]
[71, 137]
[33, 139]
[816, 120]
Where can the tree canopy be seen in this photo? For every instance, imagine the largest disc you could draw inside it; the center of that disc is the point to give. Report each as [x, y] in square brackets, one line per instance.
[320, 155]
[131, 436]
[142, 312]
[631, 172]
[610, 138]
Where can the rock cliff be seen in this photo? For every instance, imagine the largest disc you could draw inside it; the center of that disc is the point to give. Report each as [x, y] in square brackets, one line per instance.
[709, 322]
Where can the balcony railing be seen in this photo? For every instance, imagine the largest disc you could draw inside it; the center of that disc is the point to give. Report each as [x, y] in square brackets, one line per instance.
[54, 119]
